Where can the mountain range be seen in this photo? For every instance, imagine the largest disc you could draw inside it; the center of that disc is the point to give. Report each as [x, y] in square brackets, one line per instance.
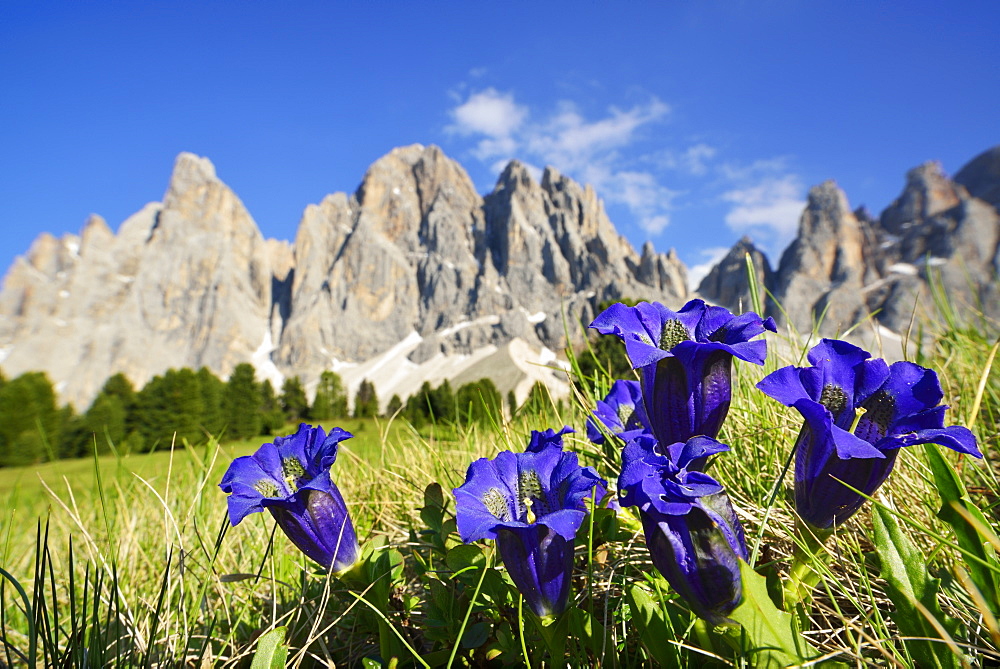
[416, 277]
[936, 246]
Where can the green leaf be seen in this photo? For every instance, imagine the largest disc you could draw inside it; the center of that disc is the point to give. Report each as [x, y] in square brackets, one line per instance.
[432, 513]
[475, 635]
[774, 639]
[589, 632]
[655, 630]
[957, 510]
[908, 583]
[382, 569]
[271, 650]
[464, 556]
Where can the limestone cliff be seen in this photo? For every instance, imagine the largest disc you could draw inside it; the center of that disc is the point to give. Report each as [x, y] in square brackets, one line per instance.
[940, 235]
[415, 269]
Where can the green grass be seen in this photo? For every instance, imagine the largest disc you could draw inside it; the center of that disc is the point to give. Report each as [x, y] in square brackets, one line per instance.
[138, 566]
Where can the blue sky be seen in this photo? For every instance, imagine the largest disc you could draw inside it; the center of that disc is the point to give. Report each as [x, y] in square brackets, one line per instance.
[695, 122]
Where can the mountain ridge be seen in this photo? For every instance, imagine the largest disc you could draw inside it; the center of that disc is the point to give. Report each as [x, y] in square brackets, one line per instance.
[417, 277]
[411, 257]
[846, 266]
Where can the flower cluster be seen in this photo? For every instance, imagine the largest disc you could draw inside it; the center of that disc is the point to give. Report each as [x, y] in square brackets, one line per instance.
[669, 422]
[291, 479]
[694, 537]
[858, 413]
[685, 361]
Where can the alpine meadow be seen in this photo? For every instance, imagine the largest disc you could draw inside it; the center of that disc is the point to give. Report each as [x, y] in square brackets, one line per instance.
[444, 429]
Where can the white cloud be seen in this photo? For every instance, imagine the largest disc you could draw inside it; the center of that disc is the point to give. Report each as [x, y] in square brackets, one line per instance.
[568, 139]
[639, 191]
[492, 147]
[693, 160]
[588, 150]
[755, 170]
[712, 256]
[772, 203]
[489, 113]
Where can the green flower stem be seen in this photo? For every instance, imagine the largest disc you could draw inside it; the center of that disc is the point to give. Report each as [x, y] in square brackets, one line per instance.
[803, 575]
[704, 635]
[553, 632]
[371, 579]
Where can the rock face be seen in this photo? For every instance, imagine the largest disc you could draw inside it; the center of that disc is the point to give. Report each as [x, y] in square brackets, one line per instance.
[940, 236]
[413, 271]
[823, 270]
[417, 255]
[185, 282]
[415, 276]
[726, 283]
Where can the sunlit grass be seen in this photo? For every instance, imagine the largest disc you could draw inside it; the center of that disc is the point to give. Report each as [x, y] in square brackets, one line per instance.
[167, 581]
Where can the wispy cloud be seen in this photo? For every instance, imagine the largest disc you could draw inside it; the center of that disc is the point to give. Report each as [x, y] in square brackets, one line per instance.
[712, 255]
[492, 115]
[766, 201]
[695, 160]
[567, 138]
[588, 149]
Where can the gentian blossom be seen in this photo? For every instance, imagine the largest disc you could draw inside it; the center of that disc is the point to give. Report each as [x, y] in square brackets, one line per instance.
[540, 440]
[693, 535]
[685, 361]
[532, 504]
[622, 412]
[291, 479]
[858, 413]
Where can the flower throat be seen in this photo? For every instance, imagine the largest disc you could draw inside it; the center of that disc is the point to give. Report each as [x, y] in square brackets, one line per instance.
[672, 334]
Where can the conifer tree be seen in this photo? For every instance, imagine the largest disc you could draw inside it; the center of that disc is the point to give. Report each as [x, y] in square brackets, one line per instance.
[478, 402]
[395, 404]
[418, 405]
[293, 400]
[241, 403]
[366, 400]
[271, 416]
[31, 427]
[119, 386]
[170, 409]
[442, 402]
[331, 399]
[103, 426]
[212, 389]
[73, 441]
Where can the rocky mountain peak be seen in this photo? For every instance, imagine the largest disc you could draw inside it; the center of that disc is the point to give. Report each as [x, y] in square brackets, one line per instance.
[417, 271]
[826, 203]
[981, 176]
[822, 271]
[95, 237]
[846, 267]
[191, 173]
[928, 192]
[515, 174]
[726, 283]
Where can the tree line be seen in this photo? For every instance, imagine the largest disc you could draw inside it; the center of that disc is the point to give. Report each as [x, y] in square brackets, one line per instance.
[194, 405]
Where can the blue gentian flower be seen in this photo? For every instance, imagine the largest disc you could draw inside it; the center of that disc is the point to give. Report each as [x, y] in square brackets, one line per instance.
[532, 504]
[693, 535]
[622, 412]
[291, 479]
[685, 361]
[540, 440]
[836, 445]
